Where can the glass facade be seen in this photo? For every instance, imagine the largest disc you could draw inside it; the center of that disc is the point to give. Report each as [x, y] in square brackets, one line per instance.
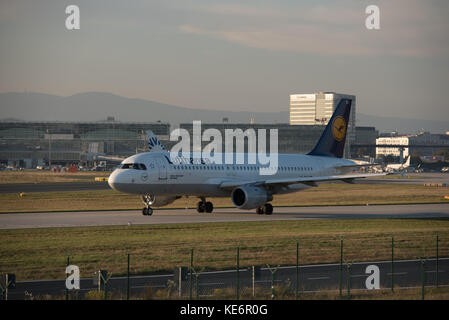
[72, 142]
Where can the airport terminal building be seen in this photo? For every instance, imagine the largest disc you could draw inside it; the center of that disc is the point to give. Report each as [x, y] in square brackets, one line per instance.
[422, 144]
[28, 144]
[295, 138]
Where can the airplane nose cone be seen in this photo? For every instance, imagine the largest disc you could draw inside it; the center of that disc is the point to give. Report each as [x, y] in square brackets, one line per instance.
[112, 180]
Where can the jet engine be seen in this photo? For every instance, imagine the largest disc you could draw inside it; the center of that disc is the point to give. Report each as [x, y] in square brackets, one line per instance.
[250, 197]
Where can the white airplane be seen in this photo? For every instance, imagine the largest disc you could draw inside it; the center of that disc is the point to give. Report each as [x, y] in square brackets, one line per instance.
[160, 181]
[397, 167]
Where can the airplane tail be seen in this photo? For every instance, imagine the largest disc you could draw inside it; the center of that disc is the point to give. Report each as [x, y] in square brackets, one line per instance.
[154, 145]
[332, 141]
[407, 163]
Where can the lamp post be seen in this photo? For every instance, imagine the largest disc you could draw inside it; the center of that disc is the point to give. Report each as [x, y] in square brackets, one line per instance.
[49, 147]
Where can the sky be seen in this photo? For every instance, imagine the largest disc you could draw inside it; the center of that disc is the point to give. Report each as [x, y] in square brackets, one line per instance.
[233, 55]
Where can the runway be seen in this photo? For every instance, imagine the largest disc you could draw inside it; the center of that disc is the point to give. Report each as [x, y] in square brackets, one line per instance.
[169, 216]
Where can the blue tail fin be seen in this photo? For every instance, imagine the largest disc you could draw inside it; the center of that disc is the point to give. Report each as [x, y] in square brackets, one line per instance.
[332, 141]
[154, 145]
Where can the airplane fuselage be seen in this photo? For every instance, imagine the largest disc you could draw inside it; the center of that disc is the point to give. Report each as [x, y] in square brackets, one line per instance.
[155, 173]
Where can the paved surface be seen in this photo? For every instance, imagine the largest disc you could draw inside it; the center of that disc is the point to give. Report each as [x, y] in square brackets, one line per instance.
[103, 218]
[406, 273]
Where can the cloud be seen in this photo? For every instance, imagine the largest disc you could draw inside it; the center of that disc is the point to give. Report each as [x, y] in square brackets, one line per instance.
[408, 28]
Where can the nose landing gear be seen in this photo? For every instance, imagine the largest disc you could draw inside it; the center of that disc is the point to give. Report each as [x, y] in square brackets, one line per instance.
[148, 200]
[147, 211]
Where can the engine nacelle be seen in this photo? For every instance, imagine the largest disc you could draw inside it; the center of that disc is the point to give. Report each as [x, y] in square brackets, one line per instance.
[250, 197]
[160, 201]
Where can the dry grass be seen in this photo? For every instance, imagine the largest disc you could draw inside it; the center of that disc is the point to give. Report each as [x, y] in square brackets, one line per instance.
[41, 253]
[68, 201]
[28, 176]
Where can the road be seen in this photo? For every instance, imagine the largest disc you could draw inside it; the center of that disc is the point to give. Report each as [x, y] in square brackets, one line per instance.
[406, 273]
[134, 217]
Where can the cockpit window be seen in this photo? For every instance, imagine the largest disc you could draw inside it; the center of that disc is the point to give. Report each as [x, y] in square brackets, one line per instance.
[136, 166]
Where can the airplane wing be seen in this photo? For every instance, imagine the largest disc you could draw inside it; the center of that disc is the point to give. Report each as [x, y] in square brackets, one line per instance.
[305, 180]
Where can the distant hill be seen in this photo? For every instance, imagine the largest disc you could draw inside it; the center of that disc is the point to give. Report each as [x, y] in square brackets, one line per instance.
[97, 106]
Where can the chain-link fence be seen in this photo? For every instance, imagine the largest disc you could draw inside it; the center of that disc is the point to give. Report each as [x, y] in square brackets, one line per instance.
[256, 272]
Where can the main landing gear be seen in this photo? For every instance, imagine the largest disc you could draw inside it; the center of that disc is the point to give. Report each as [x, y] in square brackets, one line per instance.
[148, 200]
[267, 208]
[204, 206]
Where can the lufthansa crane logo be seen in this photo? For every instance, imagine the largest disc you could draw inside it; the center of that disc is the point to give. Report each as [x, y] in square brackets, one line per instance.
[339, 128]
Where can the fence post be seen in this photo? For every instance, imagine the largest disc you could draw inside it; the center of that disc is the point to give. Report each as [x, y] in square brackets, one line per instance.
[3, 291]
[273, 271]
[437, 261]
[253, 280]
[349, 280]
[237, 290]
[341, 267]
[105, 283]
[127, 281]
[191, 267]
[197, 286]
[392, 264]
[6, 286]
[423, 278]
[297, 270]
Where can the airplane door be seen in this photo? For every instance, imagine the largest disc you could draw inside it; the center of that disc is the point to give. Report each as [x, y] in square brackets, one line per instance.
[162, 169]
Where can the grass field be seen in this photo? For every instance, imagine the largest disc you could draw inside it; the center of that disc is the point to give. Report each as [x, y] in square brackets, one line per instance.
[326, 194]
[41, 253]
[33, 176]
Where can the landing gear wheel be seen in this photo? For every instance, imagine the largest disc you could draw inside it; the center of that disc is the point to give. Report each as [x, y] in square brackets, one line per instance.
[148, 200]
[147, 211]
[259, 210]
[209, 207]
[268, 208]
[200, 207]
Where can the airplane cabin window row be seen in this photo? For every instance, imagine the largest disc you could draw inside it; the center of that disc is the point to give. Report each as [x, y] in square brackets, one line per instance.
[241, 168]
